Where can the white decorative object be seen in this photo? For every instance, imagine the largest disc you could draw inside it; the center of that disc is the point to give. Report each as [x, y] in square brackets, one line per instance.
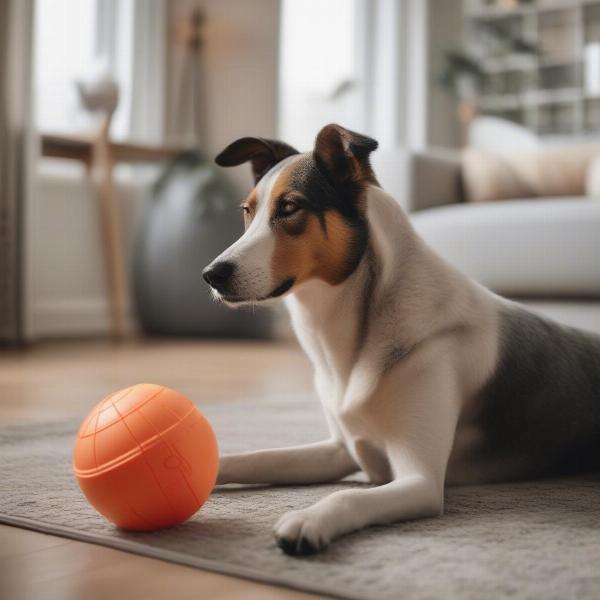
[98, 91]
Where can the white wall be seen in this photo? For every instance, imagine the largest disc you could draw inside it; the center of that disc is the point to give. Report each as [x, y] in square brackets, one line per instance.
[405, 42]
[67, 290]
[239, 73]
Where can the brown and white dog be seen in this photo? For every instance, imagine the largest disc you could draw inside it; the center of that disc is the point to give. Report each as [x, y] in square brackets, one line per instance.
[425, 377]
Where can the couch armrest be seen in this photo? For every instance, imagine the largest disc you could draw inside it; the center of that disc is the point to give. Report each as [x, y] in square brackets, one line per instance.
[419, 180]
[434, 179]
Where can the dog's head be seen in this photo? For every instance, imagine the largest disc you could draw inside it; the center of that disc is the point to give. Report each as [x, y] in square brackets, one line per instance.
[304, 219]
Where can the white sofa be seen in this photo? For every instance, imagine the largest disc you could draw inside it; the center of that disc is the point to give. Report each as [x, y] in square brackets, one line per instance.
[544, 251]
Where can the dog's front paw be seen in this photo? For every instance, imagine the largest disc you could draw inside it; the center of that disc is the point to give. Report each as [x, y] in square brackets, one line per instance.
[301, 532]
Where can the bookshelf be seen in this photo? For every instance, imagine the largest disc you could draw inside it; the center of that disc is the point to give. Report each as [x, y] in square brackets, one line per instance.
[553, 90]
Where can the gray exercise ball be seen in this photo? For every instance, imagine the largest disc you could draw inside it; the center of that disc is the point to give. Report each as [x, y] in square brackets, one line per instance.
[190, 217]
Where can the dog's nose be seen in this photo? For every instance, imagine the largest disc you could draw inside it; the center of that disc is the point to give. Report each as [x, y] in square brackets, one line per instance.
[218, 275]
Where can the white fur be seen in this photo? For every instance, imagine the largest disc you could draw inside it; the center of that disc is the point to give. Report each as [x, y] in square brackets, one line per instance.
[253, 251]
[398, 423]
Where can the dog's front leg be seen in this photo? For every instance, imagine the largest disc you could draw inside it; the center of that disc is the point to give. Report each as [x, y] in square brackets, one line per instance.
[309, 530]
[419, 432]
[311, 463]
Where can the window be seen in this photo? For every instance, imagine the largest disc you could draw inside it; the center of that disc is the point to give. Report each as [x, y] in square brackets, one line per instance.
[64, 51]
[77, 39]
[360, 63]
[319, 68]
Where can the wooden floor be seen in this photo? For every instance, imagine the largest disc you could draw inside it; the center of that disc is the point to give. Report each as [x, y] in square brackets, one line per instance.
[67, 378]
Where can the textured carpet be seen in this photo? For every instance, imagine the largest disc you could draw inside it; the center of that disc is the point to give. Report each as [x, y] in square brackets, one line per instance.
[526, 540]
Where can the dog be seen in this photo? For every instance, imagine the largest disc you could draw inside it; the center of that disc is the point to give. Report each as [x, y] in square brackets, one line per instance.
[426, 378]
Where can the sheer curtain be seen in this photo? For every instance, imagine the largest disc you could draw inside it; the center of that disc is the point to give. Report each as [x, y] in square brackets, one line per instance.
[126, 38]
[15, 84]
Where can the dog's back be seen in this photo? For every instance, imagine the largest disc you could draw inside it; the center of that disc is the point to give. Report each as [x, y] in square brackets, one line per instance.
[539, 413]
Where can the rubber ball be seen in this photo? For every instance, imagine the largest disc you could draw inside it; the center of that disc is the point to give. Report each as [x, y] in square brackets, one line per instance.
[146, 458]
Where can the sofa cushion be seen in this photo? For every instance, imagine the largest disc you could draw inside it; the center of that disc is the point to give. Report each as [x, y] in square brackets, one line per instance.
[544, 247]
[543, 173]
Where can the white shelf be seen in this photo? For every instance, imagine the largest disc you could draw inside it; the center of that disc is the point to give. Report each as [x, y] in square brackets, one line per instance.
[492, 12]
[501, 102]
[558, 96]
[489, 13]
[512, 62]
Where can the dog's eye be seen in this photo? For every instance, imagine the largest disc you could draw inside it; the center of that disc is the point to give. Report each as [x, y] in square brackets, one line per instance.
[287, 208]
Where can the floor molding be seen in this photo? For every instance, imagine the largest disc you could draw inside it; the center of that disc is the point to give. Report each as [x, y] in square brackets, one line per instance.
[72, 317]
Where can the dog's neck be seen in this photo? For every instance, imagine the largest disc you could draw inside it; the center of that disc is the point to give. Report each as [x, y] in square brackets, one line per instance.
[332, 321]
[392, 244]
[328, 320]
[400, 284]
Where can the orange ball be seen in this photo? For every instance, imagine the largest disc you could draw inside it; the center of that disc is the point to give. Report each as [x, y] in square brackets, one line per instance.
[146, 458]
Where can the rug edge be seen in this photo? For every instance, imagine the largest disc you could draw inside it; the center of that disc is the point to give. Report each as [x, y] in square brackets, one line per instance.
[170, 556]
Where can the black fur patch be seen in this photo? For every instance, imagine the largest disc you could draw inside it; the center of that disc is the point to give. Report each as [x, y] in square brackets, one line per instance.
[283, 288]
[540, 411]
[262, 153]
[316, 194]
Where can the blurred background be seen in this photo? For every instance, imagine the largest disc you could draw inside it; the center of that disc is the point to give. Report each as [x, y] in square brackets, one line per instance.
[487, 113]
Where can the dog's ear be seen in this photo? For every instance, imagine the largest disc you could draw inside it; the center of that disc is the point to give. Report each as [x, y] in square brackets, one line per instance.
[263, 154]
[343, 155]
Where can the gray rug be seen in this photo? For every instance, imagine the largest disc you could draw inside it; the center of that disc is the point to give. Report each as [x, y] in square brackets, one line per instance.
[526, 540]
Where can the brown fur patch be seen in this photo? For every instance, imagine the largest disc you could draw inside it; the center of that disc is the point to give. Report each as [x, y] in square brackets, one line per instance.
[315, 252]
[307, 245]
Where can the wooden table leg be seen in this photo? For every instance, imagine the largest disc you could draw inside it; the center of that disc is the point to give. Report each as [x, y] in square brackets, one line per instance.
[102, 165]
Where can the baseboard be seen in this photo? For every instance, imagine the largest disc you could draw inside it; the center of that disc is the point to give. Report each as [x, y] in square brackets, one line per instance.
[72, 317]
